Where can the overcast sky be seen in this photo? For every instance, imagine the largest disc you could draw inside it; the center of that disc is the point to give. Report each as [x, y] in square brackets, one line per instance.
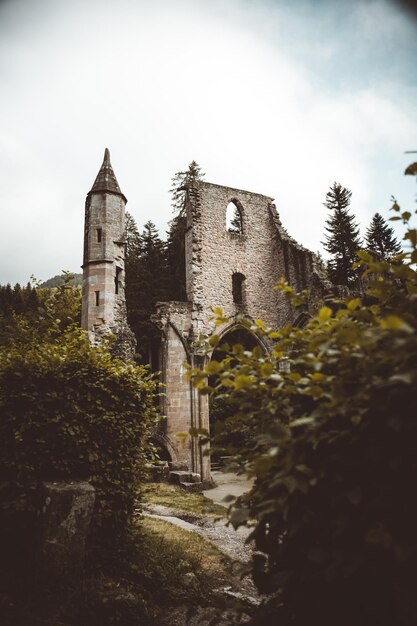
[276, 97]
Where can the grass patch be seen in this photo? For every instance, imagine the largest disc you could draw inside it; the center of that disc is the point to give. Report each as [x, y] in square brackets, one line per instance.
[199, 555]
[161, 568]
[158, 569]
[181, 501]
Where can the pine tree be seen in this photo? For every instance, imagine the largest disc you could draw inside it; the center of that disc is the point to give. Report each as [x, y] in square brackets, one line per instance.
[132, 274]
[380, 239]
[146, 284]
[177, 228]
[179, 183]
[235, 225]
[131, 237]
[342, 240]
[175, 252]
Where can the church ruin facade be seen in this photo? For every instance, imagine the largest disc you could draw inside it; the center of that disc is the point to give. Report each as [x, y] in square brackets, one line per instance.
[232, 264]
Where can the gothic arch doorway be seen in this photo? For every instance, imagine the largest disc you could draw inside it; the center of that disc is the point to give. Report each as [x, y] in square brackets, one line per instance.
[224, 441]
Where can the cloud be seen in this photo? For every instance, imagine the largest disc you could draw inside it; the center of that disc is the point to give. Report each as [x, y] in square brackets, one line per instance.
[266, 97]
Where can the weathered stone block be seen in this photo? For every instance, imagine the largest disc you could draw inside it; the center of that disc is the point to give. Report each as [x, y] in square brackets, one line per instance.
[184, 477]
[65, 514]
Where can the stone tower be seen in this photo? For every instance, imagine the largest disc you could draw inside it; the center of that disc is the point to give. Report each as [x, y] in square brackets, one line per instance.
[103, 297]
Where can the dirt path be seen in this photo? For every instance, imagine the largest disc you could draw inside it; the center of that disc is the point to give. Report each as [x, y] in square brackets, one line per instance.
[224, 537]
[228, 487]
[230, 541]
[233, 543]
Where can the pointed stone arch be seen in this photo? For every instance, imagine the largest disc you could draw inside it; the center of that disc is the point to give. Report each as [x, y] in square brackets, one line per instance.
[234, 217]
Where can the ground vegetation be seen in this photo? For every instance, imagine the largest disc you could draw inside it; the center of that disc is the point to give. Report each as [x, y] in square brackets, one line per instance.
[331, 416]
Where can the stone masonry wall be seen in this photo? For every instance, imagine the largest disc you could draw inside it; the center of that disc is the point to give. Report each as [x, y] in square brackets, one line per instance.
[263, 253]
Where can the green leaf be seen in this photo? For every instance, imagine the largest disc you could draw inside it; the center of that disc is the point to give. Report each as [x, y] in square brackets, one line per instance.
[242, 381]
[394, 322]
[354, 304]
[325, 314]
[214, 367]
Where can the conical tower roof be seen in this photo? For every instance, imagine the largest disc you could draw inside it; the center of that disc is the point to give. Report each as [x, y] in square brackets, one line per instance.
[106, 180]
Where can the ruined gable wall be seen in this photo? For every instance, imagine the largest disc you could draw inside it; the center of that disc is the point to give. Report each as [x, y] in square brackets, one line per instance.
[263, 254]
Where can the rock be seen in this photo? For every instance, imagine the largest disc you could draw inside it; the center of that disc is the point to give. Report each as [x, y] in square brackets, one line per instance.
[158, 473]
[178, 467]
[184, 477]
[65, 515]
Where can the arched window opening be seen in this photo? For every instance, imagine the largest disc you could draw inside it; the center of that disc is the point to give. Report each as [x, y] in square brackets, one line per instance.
[237, 287]
[234, 219]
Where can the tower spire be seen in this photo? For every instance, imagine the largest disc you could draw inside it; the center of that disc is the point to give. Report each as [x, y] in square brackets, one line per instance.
[106, 180]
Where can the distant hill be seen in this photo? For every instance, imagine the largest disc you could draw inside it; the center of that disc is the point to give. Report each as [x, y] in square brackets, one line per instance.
[57, 280]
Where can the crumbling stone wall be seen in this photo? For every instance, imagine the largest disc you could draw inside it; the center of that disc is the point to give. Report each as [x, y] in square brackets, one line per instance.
[262, 253]
[234, 270]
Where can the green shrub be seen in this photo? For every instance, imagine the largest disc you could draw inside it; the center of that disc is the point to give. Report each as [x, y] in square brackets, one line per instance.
[69, 410]
[331, 414]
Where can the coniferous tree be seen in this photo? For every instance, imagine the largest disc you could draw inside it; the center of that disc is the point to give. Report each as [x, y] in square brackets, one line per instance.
[380, 239]
[146, 284]
[342, 240]
[180, 182]
[132, 275]
[177, 228]
[18, 301]
[176, 258]
[131, 237]
[235, 225]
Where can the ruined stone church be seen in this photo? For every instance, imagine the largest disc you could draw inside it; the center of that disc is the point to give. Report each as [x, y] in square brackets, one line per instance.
[234, 268]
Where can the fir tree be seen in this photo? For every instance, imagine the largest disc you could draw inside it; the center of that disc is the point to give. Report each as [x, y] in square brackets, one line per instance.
[18, 300]
[132, 274]
[235, 225]
[176, 258]
[177, 228]
[131, 237]
[380, 239]
[180, 182]
[146, 284]
[342, 240]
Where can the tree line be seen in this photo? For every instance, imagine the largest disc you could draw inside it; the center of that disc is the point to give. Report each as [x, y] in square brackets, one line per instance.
[155, 269]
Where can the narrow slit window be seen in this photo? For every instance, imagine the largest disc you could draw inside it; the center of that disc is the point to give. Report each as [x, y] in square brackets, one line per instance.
[116, 280]
[237, 287]
[97, 293]
[99, 234]
[234, 219]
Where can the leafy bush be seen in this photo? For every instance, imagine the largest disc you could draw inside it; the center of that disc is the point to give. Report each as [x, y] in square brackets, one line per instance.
[331, 414]
[68, 410]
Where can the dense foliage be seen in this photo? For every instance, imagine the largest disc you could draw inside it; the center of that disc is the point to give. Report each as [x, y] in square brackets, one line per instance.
[342, 239]
[331, 416]
[68, 410]
[16, 301]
